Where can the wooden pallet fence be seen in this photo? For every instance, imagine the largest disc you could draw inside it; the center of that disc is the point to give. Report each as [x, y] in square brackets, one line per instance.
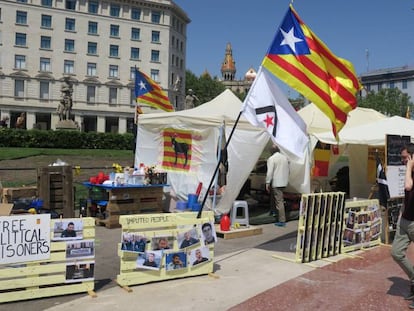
[173, 226]
[320, 226]
[362, 224]
[58, 275]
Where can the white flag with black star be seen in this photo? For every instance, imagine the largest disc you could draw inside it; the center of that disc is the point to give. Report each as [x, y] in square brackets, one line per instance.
[266, 106]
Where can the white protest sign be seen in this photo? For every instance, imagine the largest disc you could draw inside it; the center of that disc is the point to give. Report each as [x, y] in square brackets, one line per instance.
[24, 238]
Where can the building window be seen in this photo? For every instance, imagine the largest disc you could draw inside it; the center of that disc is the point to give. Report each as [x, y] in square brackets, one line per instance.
[47, 3]
[392, 84]
[155, 56]
[115, 10]
[90, 94]
[155, 17]
[113, 95]
[45, 42]
[113, 50]
[115, 31]
[132, 73]
[404, 84]
[45, 64]
[70, 24]
[20, 39]
[21, 17]
[135, 53]
[46, 21]
[20, 62]
[69, 67]
[133, 98]
[44, 89]
[70, 5]
[113, 71]
[135, 34]
[93, 7]
[92, 48]
[155, 75]
[91, 70]
[69, 45]
[136, 14]
[368, 87]
[92, 28]
[19, 88]
[22, 1]
[155, 37]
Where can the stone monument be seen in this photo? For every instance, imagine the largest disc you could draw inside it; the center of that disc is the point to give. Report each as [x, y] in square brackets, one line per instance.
[65, 106]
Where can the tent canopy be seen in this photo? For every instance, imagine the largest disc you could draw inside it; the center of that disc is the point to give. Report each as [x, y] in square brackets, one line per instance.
[317, 122]
[202, 128]
[371, 134]
[223, 108]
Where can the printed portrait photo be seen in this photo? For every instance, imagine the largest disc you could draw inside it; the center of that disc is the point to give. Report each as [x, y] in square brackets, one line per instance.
[175, 261]
[80, 249]
[199, 256]
[149, 260]
[208, 231]
[81, 271]
[134, 242]
[68, 229]
[350, 221]
[162, 243]
[189, 237]
[348, 236]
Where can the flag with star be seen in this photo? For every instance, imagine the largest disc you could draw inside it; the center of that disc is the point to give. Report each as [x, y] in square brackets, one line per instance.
[147, 91]
[267, 107]
[301, 60]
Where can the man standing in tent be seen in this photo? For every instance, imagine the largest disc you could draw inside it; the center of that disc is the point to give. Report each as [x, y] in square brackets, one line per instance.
[277, 178]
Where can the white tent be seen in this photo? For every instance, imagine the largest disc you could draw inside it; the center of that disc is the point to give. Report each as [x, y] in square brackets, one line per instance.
[358, 139]
[203, 127]
[317, 122]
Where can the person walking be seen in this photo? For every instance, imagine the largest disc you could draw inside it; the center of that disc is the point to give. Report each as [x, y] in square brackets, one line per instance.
[277, 178]
[404, 234]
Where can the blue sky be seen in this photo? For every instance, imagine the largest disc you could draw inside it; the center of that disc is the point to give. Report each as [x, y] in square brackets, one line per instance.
[349, 28]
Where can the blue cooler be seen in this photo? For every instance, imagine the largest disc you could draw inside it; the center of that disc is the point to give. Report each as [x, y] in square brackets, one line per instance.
[181, 206]
[192, 199]
[196, 207]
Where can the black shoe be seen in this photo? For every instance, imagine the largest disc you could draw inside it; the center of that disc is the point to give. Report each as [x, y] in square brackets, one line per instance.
[410, 295]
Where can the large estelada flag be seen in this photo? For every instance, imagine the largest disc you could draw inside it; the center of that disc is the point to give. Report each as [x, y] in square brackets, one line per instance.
[148, 92]
[301, 60]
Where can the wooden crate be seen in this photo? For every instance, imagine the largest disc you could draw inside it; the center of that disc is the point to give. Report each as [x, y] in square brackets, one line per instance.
[130, 201]
[11, 194]
[55, 187]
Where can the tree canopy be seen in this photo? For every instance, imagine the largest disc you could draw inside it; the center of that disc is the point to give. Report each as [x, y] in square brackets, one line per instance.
[391, 102]
[204, 86]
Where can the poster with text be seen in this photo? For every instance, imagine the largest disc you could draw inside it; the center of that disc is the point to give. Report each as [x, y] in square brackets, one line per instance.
[24, 238]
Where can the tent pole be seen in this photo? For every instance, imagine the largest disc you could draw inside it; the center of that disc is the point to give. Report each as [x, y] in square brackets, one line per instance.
[218, 166]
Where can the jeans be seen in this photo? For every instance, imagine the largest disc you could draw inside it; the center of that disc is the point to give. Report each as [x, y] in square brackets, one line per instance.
[403, 237]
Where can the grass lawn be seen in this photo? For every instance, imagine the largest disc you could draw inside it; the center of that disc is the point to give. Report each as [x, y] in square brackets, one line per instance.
[19, 153]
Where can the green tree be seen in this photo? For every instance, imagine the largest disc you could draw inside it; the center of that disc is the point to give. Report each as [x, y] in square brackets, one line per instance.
[391, 102]
[204, 87]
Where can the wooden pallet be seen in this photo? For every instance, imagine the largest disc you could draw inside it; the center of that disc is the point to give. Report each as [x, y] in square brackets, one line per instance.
[238, 233]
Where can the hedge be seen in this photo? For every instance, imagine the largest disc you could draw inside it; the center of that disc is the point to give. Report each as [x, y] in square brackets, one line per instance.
[64, 139]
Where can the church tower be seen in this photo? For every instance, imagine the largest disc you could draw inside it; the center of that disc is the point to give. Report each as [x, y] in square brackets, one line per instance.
[228, 67]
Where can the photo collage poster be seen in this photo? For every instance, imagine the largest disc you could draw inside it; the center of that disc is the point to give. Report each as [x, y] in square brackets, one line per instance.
[173, 250]
[362, 226]
[80, 252]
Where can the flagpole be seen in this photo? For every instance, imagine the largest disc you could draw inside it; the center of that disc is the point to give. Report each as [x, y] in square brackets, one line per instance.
[218, 165]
